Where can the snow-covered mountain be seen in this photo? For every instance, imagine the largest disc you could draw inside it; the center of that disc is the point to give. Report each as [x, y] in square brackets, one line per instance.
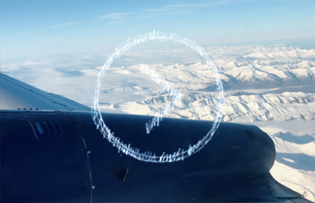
[248, 106]
[261, 84]
[267, 67]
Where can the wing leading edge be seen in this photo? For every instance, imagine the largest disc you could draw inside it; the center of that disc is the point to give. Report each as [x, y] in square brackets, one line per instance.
[17, 95]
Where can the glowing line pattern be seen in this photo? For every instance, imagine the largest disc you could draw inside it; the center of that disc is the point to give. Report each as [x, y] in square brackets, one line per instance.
[175, 95]
[181, 154]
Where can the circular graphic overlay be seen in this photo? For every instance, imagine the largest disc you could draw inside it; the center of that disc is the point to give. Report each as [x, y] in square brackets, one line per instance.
[148, 156]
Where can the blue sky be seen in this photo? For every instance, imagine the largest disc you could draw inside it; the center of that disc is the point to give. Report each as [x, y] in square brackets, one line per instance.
[38, 28]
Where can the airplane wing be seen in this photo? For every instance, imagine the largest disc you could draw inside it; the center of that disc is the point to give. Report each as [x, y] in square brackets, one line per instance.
[17, 95]
[51, 151]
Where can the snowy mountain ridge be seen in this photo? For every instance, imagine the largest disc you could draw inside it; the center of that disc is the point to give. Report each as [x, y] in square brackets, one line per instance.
[265, 67]
[261, 84]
